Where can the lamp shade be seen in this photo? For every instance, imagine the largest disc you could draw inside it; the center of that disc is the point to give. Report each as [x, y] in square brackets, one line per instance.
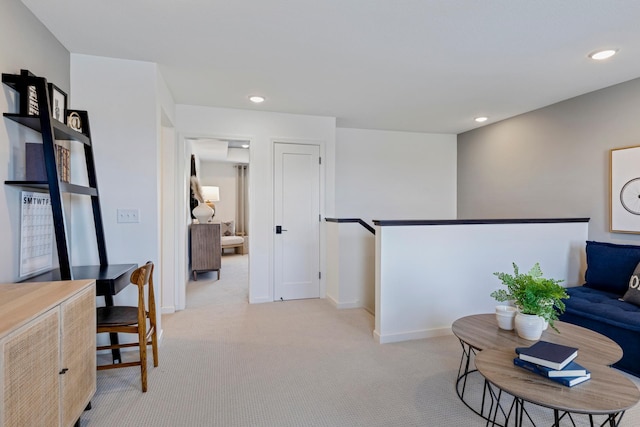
[210, 193]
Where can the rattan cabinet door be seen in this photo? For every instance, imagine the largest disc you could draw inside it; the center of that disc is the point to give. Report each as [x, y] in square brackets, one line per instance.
[30, 373]
[78, 361]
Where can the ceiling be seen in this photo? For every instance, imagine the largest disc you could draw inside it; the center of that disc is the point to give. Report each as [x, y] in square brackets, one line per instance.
[412, 65]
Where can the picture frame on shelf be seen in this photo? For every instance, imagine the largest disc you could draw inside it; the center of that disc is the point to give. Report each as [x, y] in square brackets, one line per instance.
[624, 190]
[58, 103]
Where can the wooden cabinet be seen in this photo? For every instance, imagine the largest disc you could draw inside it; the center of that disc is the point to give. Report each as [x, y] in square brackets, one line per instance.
[47, 343]
[205, 248]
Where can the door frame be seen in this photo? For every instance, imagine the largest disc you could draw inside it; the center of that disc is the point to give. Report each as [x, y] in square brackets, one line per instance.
[322, 226]
[182, 217]
[183, 214]
[316, 149]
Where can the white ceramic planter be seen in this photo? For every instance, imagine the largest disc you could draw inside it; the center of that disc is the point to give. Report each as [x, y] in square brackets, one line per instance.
[529, 326]
[203, 213]
[505, 315]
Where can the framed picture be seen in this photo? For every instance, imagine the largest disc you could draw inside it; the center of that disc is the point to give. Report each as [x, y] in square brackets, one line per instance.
[58, 103]
[625, 190]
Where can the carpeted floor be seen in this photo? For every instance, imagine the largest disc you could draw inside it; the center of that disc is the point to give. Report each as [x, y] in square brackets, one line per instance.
[226, 363]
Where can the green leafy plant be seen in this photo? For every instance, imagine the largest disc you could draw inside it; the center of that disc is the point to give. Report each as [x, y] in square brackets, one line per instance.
[532, 293]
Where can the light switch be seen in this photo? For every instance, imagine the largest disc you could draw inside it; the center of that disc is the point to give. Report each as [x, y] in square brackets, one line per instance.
[128, 215]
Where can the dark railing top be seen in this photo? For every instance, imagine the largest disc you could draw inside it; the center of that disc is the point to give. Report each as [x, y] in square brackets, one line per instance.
[358, 220]
[406, 222]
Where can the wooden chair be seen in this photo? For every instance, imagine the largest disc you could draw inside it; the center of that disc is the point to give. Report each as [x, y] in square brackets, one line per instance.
[133, 320]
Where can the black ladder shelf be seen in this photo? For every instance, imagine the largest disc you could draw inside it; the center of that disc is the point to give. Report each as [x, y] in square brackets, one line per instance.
[52, 130]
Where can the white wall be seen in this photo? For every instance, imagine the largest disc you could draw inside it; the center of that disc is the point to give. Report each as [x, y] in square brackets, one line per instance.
[24, 44]
[350, 266]
[427, 276]
[127, 103]
[383, 175]
[262, 130]
[395, 175]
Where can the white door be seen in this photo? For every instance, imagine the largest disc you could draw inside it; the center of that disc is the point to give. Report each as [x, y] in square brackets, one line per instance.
[297, 221]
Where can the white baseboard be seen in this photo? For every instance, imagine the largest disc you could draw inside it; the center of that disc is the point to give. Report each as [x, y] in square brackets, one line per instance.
[341, 305]
[259, 300]
[412, 335]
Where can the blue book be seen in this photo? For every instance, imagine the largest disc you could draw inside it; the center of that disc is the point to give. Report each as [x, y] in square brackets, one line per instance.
[571, 381]
[551, 355]
[573, 369]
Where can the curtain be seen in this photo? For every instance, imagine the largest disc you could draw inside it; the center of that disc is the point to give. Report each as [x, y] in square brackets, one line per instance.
[192, 200]
[242, 200]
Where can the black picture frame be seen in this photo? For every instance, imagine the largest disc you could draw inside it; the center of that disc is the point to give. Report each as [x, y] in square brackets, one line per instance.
[58, 100]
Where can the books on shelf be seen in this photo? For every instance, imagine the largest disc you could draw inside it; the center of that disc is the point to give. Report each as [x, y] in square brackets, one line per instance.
[551, 355]
[35, 165]
[63, 160]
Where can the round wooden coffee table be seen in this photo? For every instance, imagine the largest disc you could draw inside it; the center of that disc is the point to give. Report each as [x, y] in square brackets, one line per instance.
[481, 332]
[607, 393]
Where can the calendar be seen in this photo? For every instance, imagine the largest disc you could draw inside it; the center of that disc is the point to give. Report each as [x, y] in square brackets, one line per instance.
[36, 234]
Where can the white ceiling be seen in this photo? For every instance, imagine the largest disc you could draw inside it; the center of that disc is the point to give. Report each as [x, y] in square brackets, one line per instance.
[414, 65]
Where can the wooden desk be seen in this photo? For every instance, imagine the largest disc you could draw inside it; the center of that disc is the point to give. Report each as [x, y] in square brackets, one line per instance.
[607, 393]
[110, 279]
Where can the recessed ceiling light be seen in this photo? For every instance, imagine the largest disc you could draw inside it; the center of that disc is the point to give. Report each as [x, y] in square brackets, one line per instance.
[245, 145]
[603, 54]
[257, 99]
[481, 119]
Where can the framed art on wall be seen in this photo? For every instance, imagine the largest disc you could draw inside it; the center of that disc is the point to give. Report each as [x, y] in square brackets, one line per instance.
[625, 190]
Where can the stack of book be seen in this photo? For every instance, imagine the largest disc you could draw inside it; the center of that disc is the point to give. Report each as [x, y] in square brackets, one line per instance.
[63, 160]
[35, 165]
[553, 361]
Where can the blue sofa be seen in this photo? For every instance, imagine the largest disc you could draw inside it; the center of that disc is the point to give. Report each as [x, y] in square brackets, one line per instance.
[596, 304]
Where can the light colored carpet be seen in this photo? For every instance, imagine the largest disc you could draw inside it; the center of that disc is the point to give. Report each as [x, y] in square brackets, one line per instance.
[226, 363]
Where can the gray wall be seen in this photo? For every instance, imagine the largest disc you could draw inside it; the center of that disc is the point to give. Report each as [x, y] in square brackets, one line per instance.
[551, 162]
[24, 43]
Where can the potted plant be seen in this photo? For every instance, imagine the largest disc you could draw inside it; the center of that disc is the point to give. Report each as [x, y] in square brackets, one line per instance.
[534, 296]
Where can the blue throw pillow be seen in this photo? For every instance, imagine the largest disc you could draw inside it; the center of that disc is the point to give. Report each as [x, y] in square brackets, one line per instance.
[609, 266]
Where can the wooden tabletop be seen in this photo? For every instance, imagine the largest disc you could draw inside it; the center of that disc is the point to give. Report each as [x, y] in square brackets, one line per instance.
[481, 332]
[22, 302]
[607, 392]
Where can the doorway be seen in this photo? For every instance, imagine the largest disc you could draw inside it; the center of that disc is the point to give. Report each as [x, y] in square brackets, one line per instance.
[297, 221]
[223, 165]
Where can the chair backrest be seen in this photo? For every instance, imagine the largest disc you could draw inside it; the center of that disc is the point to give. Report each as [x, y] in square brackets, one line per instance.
[141, 277]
